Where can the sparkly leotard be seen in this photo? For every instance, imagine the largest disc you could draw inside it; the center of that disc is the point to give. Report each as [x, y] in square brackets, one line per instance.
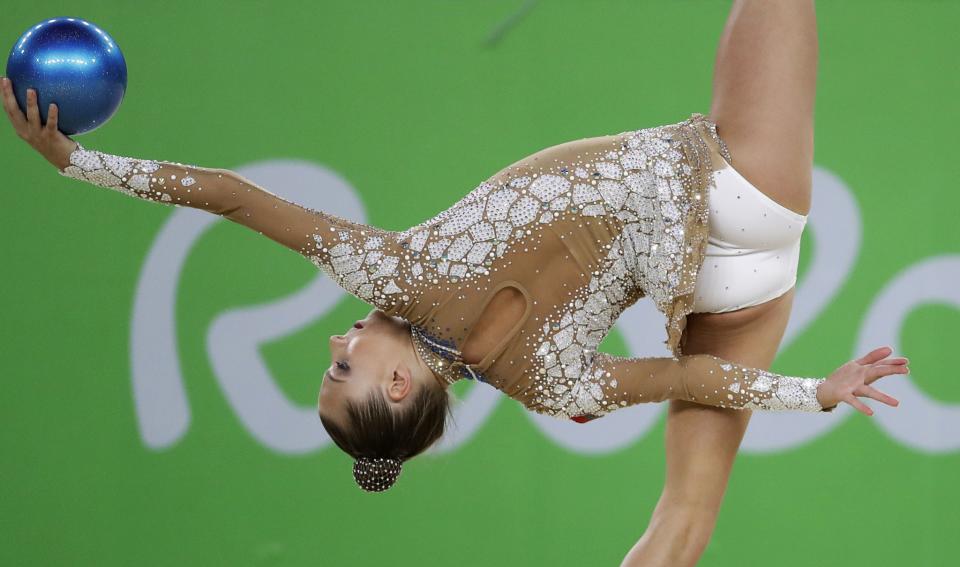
[582, 229]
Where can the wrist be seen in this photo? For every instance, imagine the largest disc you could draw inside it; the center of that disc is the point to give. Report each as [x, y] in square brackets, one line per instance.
[61, 158]
[827, 403]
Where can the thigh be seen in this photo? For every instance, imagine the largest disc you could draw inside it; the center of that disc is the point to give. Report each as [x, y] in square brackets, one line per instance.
[702, 441]
[764, 86]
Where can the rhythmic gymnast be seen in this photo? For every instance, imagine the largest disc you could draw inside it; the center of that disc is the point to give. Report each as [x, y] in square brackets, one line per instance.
[516, 284]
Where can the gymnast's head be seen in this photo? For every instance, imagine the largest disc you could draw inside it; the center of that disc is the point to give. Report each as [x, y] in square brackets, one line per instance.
[379, 402]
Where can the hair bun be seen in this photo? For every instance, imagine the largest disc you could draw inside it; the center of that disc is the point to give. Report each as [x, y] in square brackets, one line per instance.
[376, 474]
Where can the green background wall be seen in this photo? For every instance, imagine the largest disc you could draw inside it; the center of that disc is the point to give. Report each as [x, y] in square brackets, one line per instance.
[411, 104]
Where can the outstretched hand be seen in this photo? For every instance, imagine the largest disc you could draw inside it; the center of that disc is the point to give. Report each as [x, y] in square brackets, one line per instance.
[854, 378]
[52, 144]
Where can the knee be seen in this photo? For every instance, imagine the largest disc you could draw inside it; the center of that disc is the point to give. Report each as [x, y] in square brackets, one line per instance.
[675, 537]
[692, 525]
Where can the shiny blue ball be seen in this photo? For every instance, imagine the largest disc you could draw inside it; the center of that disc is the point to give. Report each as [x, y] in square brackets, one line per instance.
[74, 64]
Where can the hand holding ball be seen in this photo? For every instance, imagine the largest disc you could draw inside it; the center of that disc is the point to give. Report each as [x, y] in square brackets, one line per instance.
[72, 63]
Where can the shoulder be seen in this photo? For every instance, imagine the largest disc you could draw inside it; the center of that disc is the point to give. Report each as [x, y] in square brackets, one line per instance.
[569, 152]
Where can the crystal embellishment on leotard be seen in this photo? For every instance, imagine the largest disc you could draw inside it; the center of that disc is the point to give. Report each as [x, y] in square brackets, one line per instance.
[442, 357]
[126, 175]
[785, 392]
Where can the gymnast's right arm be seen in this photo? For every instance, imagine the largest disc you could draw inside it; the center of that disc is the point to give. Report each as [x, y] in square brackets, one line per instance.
[365, 261]
[362, 259]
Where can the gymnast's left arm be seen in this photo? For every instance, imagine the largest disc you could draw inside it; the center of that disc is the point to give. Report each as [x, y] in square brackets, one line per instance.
[611, 382]
[705, 379]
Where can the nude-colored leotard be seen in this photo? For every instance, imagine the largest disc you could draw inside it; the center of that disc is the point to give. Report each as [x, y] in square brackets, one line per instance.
[582, 229]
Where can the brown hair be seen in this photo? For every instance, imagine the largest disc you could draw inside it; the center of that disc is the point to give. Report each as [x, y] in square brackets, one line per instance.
[374, 430]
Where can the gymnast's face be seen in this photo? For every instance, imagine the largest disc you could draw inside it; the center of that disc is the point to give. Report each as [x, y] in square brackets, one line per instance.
[376, 353]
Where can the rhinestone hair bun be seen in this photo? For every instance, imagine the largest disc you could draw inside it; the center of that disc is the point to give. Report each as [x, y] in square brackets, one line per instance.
[376, 474]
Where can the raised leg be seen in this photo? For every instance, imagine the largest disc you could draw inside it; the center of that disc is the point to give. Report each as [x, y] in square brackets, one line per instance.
[764, 86]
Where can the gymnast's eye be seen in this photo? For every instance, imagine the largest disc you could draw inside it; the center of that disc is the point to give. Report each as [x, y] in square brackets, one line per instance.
[343, 366]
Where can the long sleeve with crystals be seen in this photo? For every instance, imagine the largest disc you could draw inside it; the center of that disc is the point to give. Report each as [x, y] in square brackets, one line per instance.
[364, 260]
[612, 382]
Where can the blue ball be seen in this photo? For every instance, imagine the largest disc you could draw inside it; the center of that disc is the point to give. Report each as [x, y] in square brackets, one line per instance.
[74, 64]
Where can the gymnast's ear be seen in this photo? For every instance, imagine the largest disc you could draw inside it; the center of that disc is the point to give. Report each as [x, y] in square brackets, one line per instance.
[401, 384]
